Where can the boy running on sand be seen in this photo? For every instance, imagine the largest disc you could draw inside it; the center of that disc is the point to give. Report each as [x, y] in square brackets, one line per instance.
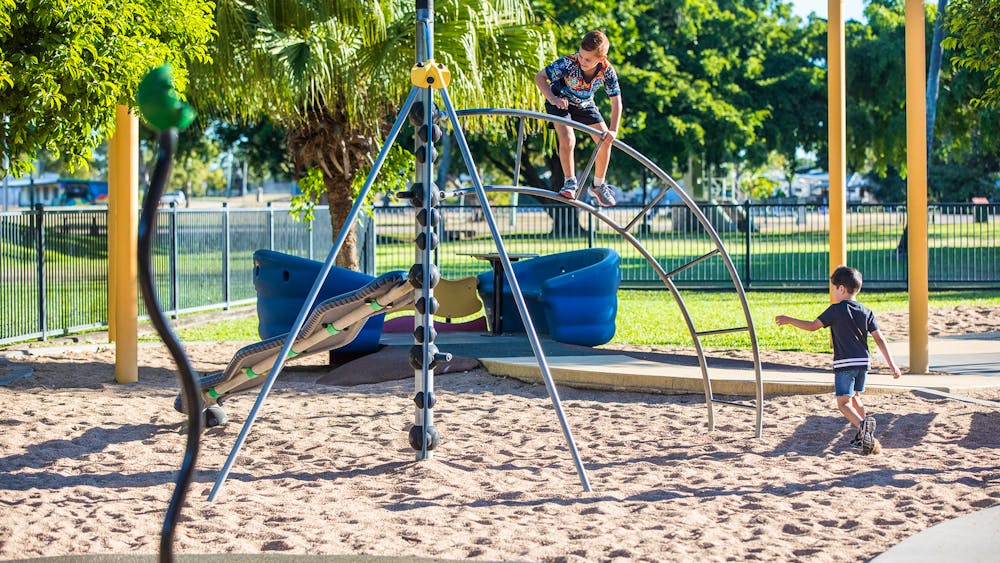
[850, 324]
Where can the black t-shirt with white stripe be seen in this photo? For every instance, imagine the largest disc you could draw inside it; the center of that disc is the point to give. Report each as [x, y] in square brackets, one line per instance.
[850, 323]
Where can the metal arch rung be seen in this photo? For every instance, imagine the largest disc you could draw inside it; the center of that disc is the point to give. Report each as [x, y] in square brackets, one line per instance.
[517, 153]
[657, 264]
[736, 404]
[652, 203]
[581, 180]
[722, 331]
[693, 263]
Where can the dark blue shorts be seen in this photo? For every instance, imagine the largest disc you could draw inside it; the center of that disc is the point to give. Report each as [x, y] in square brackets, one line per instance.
[587, 116]
[846, 382]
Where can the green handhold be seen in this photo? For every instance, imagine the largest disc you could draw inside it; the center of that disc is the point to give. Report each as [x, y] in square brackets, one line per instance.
[159, 103]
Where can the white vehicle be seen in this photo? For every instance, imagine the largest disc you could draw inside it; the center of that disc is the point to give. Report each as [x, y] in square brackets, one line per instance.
[178, 199]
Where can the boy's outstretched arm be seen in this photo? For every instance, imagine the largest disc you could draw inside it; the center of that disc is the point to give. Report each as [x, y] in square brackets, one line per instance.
[880, 342]
[782, 320]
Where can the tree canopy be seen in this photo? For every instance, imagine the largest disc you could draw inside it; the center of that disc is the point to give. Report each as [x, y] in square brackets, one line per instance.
[334, 74]
[974, 27]
[66, 64]
[737, 83]
[716, 81]
[964, 158]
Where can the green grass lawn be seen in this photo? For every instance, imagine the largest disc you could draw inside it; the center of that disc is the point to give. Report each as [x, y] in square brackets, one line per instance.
[653, 318]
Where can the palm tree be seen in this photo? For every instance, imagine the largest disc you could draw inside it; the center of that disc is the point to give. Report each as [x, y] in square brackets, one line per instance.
[334, 73]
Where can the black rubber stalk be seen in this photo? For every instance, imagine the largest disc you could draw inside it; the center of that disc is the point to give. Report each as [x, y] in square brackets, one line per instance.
[185, 373]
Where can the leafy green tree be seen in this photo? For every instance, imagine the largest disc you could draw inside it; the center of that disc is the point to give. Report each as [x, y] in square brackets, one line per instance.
[964, 159]
[260, 143]
[66, 64]
[974, 27]
[793, 90]
[876, 96]
[334, 73]
[708, 80]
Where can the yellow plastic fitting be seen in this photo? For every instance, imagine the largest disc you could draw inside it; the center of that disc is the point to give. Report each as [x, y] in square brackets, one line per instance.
[430, 74]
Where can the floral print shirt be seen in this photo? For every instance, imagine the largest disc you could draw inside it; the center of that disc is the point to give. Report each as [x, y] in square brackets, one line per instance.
[566, 76]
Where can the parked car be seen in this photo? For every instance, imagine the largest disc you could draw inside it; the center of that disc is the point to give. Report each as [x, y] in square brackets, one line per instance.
[176, 198]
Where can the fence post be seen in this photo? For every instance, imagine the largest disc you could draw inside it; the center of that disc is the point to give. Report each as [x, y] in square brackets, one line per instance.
[270, 226]
[368, 245]
[226, 261]
[172, 269]
[40, 266]
[590, 227]
[310, 234]
[749, 225]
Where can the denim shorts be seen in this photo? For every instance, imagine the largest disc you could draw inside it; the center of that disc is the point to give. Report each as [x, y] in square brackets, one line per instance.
[848, 381]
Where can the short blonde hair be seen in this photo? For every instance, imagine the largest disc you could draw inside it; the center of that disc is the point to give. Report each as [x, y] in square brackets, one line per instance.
[595, 41]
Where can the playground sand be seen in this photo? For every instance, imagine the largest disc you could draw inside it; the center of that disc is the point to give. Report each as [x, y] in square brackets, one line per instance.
[87, 466]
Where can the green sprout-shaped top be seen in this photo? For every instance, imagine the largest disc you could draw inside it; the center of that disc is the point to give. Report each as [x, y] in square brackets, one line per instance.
[159, 103]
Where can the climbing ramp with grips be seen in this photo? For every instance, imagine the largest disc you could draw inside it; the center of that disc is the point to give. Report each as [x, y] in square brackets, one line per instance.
[334, 323]
[520, 120]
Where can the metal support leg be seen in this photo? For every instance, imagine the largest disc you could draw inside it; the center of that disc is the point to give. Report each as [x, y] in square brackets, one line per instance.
[311, 298]
[514, 286]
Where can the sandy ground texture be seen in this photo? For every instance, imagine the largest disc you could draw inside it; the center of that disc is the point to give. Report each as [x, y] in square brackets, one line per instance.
[87, 466]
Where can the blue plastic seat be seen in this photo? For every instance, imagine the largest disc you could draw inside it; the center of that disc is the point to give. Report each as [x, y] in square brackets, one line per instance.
[571, 296]
[283, 282]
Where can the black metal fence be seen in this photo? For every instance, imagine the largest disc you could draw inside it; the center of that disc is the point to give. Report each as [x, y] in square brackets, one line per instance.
[53, 262]
[772, 245]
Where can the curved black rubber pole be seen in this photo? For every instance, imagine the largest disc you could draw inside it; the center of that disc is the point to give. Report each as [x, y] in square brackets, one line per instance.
[192, 395]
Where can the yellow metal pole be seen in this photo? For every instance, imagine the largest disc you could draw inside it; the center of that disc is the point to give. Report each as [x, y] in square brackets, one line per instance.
[112, 251]
[916, 183]
[837, 116]
[123, 216]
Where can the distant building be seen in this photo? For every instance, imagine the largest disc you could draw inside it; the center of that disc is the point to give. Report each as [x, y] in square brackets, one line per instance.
[814, 186]
[49, 189]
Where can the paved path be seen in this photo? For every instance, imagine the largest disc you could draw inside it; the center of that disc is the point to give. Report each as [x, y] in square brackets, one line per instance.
[971, 538]
[958, 355]
[969, 364]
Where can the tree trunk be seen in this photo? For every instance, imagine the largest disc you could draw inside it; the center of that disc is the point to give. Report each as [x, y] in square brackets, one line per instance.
[933, 79]
[338, 197]
[934, 75]
[339, 151]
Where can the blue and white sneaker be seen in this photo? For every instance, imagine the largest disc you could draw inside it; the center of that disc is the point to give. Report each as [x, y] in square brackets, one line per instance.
[604, 194]
[568, 190]
[868, 435]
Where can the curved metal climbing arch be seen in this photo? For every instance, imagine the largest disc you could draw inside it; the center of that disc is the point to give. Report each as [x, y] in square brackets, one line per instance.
[625, 231]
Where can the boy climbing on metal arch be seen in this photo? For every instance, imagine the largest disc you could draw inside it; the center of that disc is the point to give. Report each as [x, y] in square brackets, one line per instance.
[568, 85]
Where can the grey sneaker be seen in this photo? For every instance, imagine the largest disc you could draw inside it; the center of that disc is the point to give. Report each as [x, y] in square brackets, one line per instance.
[868, 435]
[856, 441]
[568, 190]
[604, 194]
